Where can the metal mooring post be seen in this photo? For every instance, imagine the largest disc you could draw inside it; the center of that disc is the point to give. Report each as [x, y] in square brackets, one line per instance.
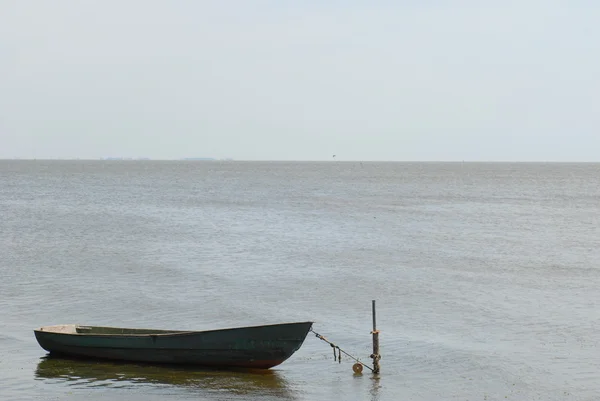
[375, 355]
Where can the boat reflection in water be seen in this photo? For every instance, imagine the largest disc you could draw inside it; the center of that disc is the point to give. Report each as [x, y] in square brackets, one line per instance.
[93, 373]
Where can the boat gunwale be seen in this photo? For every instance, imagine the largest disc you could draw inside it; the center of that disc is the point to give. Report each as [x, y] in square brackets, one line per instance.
[160, 332]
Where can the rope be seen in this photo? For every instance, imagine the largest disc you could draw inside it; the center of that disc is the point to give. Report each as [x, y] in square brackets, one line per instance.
[338, 357]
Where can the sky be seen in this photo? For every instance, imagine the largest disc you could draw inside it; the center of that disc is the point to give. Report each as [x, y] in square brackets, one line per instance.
[301, 80]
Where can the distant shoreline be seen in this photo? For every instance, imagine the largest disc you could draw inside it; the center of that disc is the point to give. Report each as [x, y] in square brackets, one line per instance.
[207, 159]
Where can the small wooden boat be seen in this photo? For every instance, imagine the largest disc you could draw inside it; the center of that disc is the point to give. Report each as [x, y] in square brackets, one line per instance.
[260, 347]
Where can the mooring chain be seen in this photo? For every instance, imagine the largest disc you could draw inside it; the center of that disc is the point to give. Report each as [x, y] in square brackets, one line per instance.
[340, 351]
[337, 357]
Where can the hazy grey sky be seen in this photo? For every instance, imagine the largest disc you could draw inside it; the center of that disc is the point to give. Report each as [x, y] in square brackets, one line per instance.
[301, 80]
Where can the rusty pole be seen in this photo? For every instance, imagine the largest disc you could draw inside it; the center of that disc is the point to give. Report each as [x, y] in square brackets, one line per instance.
[375, 355]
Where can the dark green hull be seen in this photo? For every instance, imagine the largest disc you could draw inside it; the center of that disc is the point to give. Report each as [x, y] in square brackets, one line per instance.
[259, 347]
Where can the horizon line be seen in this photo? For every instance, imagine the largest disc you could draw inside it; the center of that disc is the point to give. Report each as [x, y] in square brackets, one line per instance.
[209, 159]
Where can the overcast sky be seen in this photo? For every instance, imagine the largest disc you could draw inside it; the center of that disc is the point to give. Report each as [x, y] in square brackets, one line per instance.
[301, 80]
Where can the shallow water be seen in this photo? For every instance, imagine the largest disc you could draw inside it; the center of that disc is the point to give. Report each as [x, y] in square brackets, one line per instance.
[486, 275]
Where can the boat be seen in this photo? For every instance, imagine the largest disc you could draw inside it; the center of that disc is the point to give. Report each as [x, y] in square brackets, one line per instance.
[255, 347]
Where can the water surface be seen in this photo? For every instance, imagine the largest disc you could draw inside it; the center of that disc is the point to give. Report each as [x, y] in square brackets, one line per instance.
[486, 275]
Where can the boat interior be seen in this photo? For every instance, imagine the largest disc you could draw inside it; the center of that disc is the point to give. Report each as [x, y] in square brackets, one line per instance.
[100, 330]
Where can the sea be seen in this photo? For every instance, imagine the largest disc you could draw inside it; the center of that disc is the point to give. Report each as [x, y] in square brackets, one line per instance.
[486, 276]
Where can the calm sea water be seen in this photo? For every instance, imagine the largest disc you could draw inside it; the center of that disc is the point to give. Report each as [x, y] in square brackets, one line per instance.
[487, 276]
